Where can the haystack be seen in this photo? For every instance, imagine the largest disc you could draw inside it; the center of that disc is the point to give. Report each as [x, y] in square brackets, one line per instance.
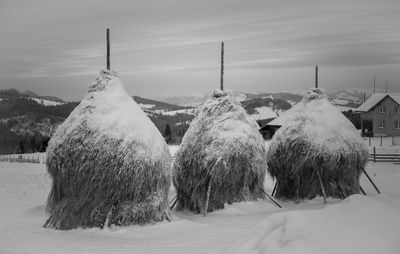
[316, 139]
[222, 158]
[108, 162]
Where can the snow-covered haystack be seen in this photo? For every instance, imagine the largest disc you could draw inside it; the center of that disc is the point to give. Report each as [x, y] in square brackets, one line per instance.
[222, 154]
[316, 138]
[108, 162]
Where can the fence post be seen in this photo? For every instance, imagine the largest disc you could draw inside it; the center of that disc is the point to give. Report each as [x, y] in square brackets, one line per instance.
[392, 140]
[374, 154]
[369, 139]
[381, 140]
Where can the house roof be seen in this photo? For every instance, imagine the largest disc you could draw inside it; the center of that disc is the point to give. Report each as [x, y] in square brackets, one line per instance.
[280, 120]
[375, 99]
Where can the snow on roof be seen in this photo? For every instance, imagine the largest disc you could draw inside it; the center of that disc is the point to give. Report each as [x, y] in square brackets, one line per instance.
[375, 99]
[263, 113]
[47, 102]
[281, 119]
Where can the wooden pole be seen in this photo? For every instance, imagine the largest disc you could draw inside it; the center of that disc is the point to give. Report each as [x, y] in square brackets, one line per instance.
[322, 186]
[362, 191]
[173, 204]
[362, 127]
[208, 198]
[172, 200]
[272, 199]
[273, 191]
[341, 193]
[372, 182]
[316, 76]
[108, 49]
[222, 66]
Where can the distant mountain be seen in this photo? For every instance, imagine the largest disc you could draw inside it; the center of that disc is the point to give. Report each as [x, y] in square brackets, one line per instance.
[351, 95]
[28, 120]
[190, 100]
[195, 100]
[156, 105]
[14, 93]
[31, 94]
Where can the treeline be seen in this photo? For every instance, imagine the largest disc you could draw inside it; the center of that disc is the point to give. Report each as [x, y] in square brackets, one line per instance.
[173, 128]
[13, 108]
[252, 104]
[10, 143]
[354, 117]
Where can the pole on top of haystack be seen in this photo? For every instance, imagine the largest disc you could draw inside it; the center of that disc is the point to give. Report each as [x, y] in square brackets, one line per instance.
[316, 76]
[108, 49]
[222, 66]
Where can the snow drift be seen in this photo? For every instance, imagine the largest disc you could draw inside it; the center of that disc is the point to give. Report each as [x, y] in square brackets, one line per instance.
[359, 224]
[108, 162]
[316, 138]
[222, 154]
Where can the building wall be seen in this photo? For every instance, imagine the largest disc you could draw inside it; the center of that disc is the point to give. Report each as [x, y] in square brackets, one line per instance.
[390, 116]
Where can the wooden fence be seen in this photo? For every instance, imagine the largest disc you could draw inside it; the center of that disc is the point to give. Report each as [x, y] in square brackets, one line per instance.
[382, 141]
[384, 157]
[23, 158]
[375, 156]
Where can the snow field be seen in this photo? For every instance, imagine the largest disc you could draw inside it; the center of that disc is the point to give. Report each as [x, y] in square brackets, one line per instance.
[359, 224]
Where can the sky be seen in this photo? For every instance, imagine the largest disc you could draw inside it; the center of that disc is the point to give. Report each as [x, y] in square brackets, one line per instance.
[172, 47]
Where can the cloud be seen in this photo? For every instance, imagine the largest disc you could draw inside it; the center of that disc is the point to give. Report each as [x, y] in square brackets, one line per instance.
[65, 41]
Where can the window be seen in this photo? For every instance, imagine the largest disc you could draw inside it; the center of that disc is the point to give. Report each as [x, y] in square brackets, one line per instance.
[397, 124]
[397, 109]
[381, 123]
[382, 109]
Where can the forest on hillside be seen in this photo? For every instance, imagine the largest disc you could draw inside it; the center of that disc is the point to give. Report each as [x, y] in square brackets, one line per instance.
[26, 125]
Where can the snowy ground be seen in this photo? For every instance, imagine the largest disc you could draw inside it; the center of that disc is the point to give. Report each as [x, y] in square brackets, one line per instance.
[359, 224]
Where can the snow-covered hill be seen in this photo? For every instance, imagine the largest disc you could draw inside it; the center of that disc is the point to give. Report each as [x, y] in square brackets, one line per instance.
[43, 100]
[47, 102]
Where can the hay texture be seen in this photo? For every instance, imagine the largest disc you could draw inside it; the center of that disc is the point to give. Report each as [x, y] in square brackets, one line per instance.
[108, 162]
[316, 138]
[221, 153]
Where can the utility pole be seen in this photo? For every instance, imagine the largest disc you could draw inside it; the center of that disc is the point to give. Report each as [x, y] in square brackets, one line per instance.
[374, 84]
[386, 90]
[222, 66]
[108, 49]
[316, 76]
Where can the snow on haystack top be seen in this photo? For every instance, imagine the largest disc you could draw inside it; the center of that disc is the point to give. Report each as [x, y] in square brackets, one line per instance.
[221, 93]
[264, 113]
[321, 122]
[110, 110]
[223, 118]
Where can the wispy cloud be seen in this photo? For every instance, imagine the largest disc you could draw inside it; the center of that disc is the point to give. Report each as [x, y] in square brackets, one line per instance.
[174, 44]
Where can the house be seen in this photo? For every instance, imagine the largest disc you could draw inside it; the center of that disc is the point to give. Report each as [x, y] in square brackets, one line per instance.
[269, 129]
[380, 115]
